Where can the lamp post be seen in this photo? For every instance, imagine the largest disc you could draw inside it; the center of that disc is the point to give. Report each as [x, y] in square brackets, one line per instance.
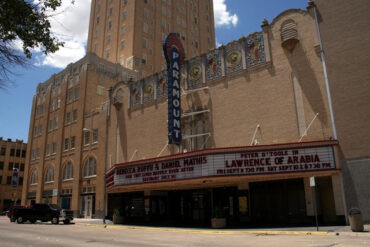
[105, 170]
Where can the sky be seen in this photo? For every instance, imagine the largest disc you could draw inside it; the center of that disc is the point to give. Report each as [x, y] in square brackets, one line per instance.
[233, 19]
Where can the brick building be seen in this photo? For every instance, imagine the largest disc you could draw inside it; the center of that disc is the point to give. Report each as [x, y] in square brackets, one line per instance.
[256, 120]
[12, 160]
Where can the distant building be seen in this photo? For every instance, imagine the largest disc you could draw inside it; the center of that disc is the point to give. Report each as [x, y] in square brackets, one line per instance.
[12, 165]
[262, 143]
[131, 32]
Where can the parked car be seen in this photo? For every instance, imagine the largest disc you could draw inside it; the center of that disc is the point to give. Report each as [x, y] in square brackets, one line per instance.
[4, 213]
[10, 213]
[43, 212]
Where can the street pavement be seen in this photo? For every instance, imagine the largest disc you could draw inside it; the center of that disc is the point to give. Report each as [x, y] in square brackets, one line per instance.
[92, 232]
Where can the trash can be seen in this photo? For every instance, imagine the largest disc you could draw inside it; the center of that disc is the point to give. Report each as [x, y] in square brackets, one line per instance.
[355, 220]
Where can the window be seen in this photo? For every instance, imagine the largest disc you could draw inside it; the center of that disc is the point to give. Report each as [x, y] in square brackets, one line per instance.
[9, 180]
[54, 148]
[97, 20]
[74, 115]
[3, 151]
[73, 142]
[1, 165]
[86, 137]
[22, 167]
[1, 179]
[90, 167]
[49, 176]
[12, 152]
[20, 181]
[95, 135]
[68, 117]
[24, 151]
[18, 153]
[66, 144]
[33, 179]
[109, 25]
[68, 171]
[108, 39]
[10, 166]
[146, 28]
[122, 44]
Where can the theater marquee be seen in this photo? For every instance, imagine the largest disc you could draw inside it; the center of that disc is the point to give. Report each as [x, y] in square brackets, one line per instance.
[228, 164]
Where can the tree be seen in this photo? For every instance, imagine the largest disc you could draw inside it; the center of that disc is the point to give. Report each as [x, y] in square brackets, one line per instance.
[25, 22]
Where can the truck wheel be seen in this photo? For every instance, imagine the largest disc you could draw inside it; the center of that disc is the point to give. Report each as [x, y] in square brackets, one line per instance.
[66, 222]
[20, 220]
[55, 220]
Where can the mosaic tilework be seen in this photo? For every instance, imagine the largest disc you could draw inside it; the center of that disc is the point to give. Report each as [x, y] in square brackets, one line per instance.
[136, 92]
[148, 89]
[161, 84]
[255, 50]
[213, 65]
[195, 77]
[233, 57]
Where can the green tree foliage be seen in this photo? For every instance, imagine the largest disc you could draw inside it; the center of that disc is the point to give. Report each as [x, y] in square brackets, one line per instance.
[26, 22]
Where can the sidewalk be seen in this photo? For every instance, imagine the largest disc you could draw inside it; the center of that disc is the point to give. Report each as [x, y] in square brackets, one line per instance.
[324, 230]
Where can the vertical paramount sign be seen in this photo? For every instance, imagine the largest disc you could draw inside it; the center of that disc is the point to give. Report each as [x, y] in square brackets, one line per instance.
[174, 54]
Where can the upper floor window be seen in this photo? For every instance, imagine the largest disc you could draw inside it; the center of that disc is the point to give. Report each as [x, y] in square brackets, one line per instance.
[3, 151]
[90, 167]
[49, 175]
[33, 179]
[68, 171]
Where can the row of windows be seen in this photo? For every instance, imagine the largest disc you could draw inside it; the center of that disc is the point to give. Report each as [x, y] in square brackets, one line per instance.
[88, 171]
[71, 116]
[9, 180]
[12, 165]
[69, 143]
[13, 152]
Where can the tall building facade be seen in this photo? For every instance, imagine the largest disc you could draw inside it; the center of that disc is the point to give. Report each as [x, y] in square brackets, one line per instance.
[12, 163]
[131, 32]
[67, 135]
[260, 144]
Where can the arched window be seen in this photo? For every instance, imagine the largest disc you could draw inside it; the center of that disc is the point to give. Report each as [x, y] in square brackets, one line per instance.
[68, 171]
[33, 179]
[49, 175]
[90, 167]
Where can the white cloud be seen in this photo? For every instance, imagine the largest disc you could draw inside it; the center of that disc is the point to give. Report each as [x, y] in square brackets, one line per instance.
[70, 24]
[222, 16]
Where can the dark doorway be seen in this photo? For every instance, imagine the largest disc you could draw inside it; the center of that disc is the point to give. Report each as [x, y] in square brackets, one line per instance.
[278, 202]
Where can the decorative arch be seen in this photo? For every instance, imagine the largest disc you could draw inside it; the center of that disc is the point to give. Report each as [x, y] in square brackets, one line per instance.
[89, 167]
[68, 171]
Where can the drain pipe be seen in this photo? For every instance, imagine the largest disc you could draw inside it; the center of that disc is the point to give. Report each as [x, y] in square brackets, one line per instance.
[312, 4]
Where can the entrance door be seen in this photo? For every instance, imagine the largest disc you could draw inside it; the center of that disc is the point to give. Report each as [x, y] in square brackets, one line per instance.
[87, 206]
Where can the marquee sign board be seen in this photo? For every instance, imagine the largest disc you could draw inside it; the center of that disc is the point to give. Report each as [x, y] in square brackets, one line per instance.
[174, 54]
[229, 164]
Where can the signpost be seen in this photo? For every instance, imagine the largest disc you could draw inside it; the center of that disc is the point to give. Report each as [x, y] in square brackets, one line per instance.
[313, 186]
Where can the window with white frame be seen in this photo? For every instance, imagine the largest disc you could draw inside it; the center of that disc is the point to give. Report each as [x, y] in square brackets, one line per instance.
[33, 178]
[90, 167]
[49, 175]
[68, 171]
[95, 135]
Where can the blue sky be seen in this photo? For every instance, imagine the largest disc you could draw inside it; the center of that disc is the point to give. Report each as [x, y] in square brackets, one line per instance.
[233, 18]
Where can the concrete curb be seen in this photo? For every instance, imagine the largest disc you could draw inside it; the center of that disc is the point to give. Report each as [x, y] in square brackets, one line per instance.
[211, 231]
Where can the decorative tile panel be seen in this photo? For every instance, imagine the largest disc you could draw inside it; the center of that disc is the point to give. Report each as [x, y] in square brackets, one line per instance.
[255, 50]
[233, 57]
[148, 89]
[161, 84]
[213, 65]
[136, 93]
[195, 77]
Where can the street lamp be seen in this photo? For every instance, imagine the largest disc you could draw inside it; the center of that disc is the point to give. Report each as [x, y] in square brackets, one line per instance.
[105, 170]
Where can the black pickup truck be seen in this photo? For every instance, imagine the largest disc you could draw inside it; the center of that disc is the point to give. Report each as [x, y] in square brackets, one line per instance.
[44, 212]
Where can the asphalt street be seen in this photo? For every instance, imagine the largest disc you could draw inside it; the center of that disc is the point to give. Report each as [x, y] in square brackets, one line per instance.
[94, 233]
